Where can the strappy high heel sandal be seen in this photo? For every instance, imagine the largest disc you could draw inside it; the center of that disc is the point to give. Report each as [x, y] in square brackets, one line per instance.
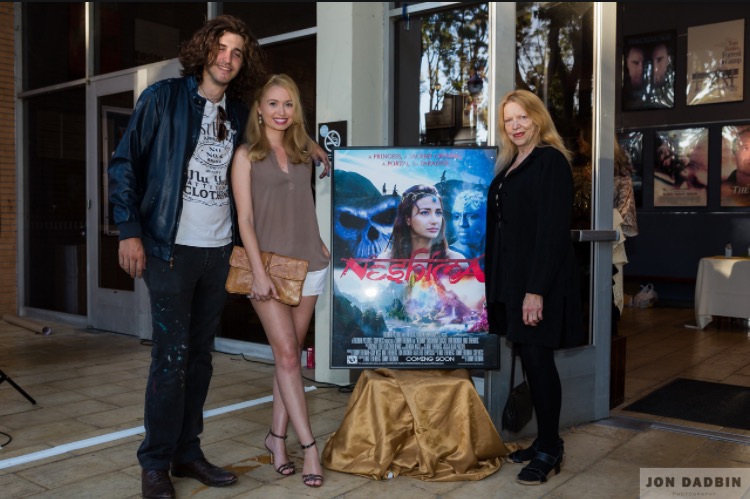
[286, 469]
[311, 478]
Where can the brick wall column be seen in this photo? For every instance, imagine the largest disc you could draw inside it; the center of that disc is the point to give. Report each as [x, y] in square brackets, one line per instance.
[8, 195]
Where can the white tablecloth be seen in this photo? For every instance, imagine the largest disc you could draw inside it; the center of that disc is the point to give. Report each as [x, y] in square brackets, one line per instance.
[722, 288]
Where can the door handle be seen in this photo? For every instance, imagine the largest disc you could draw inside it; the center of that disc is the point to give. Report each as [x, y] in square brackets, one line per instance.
[582, 236]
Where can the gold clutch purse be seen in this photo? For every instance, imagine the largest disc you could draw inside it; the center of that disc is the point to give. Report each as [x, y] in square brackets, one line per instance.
[287, 274]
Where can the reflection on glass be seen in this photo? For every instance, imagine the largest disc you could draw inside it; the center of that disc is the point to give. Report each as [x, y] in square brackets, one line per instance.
[453, 102]
[296, 16]
[130, 34]
[56, 201]
[114, 112]
[442, 62]
[64, 60]
[554, 59]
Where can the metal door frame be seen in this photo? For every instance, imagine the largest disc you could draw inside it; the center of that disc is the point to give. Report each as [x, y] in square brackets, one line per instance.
[584, 371]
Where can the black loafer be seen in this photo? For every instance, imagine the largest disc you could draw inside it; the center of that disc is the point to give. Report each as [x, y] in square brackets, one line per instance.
[155, 484]
[205, 472]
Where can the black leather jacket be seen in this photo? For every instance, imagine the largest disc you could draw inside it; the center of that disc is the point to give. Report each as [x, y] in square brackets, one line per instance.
[148, 170]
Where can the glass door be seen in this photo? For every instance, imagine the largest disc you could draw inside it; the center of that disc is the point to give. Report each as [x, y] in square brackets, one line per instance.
[116, 301]
[112, 292]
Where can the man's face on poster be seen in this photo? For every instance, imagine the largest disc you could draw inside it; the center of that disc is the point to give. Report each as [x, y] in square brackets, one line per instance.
[660, 58]
[469, 218]
[634, 63]
[742, 154]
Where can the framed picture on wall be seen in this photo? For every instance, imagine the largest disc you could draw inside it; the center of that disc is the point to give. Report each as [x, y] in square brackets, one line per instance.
[632, 144]
[681, 167]
[715, 62]
[735, 165]
[648, 71]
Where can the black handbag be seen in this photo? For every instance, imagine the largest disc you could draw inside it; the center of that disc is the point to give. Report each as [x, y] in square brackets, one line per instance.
[518, 408]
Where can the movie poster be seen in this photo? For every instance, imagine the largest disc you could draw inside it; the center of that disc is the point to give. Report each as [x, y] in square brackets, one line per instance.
[735, 165]
[648, 71]
[681, 167]
[632, 144]
[715, 62]
[408, 254]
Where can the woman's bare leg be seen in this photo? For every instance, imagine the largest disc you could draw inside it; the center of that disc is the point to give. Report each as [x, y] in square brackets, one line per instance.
[286, 328]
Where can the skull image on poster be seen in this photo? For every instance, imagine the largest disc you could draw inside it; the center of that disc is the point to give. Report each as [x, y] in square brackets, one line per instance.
[363, 216]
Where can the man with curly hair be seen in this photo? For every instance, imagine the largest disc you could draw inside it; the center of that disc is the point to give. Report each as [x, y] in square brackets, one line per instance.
[169, 185]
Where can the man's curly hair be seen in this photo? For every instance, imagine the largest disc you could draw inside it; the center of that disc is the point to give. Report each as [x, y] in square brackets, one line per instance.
[202, 48]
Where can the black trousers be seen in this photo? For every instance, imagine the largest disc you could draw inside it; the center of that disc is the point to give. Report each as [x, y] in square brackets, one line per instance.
[546, 394]
[187, 299]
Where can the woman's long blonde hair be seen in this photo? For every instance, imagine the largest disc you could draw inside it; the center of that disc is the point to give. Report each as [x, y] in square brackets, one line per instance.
[545, 132]
[296, 140]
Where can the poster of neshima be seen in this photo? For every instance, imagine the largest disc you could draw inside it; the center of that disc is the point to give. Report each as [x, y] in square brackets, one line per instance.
[716, 55]
[408, 250]
[681, 167]
[735, 165]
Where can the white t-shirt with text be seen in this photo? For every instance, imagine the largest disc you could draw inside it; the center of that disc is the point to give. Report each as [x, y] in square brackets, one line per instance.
[205, 221]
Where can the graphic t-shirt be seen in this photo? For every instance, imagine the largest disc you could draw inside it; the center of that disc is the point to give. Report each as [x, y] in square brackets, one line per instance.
[205, 220]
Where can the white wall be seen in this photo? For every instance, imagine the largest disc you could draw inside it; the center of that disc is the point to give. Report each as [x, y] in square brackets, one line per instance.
[351, 82]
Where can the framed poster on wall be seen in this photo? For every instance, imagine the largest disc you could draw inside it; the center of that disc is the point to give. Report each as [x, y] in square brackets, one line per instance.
[681, 167]
[715, 68]
[648, 71]
[408, 255]
[735, 165]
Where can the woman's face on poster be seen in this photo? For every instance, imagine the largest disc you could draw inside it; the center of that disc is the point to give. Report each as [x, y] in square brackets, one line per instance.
[426, 217]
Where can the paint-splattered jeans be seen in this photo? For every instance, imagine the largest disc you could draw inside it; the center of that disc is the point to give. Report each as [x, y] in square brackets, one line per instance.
[186, 305]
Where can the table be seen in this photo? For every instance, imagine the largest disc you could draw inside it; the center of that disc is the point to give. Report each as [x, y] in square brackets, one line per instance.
[722, 288]
[429, 425]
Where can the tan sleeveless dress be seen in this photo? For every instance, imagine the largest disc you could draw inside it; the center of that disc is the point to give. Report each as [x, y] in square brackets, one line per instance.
[284, 211]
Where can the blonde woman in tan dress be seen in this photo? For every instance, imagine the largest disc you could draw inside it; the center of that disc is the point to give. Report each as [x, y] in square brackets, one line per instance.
[271, 183]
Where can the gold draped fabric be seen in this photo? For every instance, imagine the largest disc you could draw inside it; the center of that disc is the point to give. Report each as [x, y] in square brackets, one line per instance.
[427, 424]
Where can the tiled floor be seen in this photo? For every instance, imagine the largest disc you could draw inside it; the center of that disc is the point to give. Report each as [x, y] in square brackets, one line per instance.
[80, 439]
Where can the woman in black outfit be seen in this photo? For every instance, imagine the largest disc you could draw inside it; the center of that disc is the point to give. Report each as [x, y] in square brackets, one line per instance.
[531, 269]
